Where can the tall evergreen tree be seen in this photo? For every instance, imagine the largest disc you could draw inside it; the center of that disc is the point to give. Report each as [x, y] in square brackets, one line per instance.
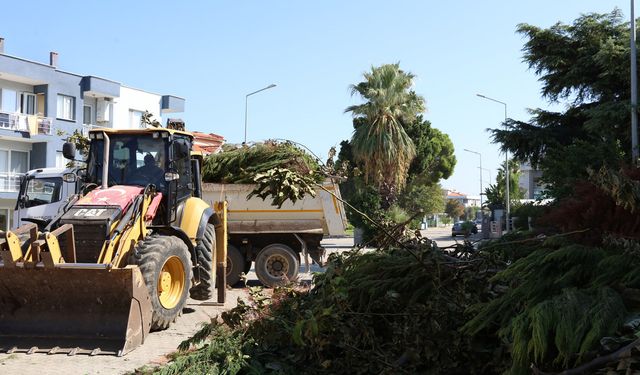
[584, 66]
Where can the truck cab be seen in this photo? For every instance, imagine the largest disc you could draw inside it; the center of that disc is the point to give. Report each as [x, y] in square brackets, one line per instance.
[43, 192]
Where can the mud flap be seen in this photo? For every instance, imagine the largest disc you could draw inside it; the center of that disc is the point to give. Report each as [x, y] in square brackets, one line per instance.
[73, 310]
[318, 255]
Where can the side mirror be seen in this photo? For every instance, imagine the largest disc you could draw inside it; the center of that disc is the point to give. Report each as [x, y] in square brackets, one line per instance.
[69, 150]
[69, 177]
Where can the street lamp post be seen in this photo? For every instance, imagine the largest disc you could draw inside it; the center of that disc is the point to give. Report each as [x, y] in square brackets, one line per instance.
[246, 108]
[506, 158]
[488, 171]
[480, 155]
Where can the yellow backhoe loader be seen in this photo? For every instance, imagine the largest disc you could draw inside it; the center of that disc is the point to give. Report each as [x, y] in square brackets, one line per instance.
[121, 258]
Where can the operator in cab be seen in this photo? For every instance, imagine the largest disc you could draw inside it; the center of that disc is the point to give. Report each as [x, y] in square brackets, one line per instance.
[150, 171]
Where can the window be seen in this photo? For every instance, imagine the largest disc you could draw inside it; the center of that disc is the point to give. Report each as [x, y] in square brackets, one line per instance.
[28, 103]
[12, 163]
[87, 119]
[66, 107]
[135, 119]
[129, 160]
[183, 167]
[41, 191]
[4, 161]
[9, 101]
[19, 161]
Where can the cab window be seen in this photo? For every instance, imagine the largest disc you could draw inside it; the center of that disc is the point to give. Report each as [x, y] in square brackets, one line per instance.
[42, 191]
[182, 165]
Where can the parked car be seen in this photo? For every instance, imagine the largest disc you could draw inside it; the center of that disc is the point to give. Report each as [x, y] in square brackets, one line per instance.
[464, 228]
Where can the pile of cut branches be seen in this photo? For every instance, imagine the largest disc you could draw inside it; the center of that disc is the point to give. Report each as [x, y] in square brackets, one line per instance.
[530, 302]
[395, 311]
[242, 164]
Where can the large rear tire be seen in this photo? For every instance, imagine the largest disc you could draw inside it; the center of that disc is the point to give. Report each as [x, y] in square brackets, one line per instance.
[167, 270]
[276, 264]
[206, 253]
[235, 265]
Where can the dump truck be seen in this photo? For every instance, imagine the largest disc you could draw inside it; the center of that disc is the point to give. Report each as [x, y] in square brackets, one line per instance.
[121, 258]
[277, 239]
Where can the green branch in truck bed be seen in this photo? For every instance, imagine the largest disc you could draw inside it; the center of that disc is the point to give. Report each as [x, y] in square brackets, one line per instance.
[282, 184]
[244, 164]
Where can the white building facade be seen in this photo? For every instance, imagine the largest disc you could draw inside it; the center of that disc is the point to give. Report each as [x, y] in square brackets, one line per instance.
[41, 105]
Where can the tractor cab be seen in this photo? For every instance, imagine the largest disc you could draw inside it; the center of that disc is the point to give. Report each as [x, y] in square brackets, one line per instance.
[154, 158]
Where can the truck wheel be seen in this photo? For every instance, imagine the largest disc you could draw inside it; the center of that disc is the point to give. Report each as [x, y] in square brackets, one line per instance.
[235, 265]
[276, 264]
[166, 269]
[206, 253]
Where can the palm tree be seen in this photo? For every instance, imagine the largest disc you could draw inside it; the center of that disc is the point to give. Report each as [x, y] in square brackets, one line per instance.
[380, 143]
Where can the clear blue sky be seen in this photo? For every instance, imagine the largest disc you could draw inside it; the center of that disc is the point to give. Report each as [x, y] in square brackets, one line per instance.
[213, 53]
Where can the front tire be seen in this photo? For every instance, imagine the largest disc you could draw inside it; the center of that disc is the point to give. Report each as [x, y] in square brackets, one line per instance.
[167, 270]
[276, 264]
[206, 253]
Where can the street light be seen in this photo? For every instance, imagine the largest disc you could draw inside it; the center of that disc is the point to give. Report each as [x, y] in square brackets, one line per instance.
[480, 155]
[506, 158]
[488, 170]
[246, 108]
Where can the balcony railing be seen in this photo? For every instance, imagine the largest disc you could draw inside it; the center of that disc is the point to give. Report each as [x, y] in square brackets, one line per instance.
[10, 182]
[26, 123]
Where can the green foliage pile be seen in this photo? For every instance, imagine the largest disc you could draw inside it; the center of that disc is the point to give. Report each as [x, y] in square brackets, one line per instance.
[241, 165]
[391, 311]
[528, 300]
[559, 300]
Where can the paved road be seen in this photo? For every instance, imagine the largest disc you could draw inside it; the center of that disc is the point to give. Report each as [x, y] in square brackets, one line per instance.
[442, 236]
[152, 352]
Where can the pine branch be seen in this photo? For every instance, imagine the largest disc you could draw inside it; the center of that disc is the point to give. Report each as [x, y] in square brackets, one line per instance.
[587, 368]
[537, 238]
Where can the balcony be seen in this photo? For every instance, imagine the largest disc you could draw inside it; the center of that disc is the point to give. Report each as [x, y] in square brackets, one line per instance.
[10, 182]
[31, 124]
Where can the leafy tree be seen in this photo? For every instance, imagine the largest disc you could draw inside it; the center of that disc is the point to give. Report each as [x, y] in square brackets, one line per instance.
[584, 66]
[495, 193]
[389, 130]
[435, 159]
[427, 198]
[380, 142]
[454, 209]
[470, 212]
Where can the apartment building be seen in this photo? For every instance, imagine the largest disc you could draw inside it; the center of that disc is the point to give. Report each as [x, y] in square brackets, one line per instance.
[41, 105]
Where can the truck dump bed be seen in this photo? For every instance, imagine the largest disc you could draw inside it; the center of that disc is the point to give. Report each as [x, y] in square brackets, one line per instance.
[322, 214]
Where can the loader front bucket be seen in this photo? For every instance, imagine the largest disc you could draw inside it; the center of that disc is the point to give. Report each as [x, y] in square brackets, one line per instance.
[73, 308]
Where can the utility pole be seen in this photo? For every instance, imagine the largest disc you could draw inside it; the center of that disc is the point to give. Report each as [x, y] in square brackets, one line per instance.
[480, 155]
[506, 160]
